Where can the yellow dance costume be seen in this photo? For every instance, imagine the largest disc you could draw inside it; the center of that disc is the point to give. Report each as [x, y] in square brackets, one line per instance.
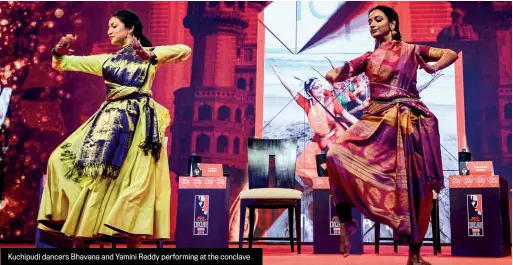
[111, 175]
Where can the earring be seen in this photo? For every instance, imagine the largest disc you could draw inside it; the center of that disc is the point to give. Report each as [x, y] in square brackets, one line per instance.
[394, 33]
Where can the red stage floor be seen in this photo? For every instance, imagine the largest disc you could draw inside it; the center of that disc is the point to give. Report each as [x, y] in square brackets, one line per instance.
[281, 255]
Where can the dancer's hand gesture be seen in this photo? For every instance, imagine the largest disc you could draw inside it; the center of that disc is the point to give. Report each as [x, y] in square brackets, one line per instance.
[139, 50]
[63, 47]
[430, 69]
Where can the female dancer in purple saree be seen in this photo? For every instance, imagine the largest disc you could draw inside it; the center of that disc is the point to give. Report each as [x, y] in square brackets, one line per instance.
[388, 163]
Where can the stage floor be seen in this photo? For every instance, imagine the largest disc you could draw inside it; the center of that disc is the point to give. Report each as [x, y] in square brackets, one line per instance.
[281, 255]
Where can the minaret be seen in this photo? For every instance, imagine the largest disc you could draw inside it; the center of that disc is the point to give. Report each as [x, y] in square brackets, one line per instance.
[209, 114]
[215, 115]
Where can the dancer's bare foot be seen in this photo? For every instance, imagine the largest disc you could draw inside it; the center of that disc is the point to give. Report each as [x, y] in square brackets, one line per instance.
[133, 242]
[347, 230]
[414, 258]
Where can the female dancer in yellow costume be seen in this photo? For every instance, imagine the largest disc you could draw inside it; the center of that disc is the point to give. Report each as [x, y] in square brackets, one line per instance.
[111, 176]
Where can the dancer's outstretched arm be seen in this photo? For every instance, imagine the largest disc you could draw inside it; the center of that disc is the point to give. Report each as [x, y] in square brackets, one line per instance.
[293, 92]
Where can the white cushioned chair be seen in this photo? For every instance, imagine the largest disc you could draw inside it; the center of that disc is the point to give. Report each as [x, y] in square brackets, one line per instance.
[281, 195]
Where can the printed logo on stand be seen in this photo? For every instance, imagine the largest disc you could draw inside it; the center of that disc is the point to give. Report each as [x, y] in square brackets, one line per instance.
[209, 182]
[475, 214]
[473, 181]
[184, 182]
[201, 208]
[334, 221]
[455, 181]
[202, 183]
[197, 182]
[480, 180]
[321, 183]
[494, 181]
[468, 180]
[221, 182]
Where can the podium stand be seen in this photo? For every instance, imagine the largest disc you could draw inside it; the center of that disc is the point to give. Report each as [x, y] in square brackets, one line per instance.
[326, 226]
[479, 216]
[203, 212]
